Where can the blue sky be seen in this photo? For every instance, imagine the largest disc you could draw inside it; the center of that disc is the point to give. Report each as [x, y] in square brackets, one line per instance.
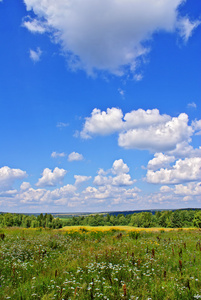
[100, 105]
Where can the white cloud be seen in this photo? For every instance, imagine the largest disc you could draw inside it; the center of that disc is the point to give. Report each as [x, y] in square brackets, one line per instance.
[56, 154]
[62, 192]
[102, 123]
[191, 189]
[106, 35]
[144, 130]
[35, 55]
[9, 193]
[102, 180]
[31, 195]
[39, 196]
[165, 189]
[51, 178]
[115, 194]
[159, 137]
[197, 126]
[74, 156]
[121, 92]
[80, 179]
[183, 149]
[62, 125]
[8, 176]
[187, 27]
[119, 167]
[112, 120]
[138, 77]
[25, 186]
[192, 105]
[188, 169]
[159, 161]
[121, 178]
[143, 118]
[34, 25]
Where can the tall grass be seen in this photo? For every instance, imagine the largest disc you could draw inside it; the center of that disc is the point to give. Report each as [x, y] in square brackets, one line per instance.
[89, 263]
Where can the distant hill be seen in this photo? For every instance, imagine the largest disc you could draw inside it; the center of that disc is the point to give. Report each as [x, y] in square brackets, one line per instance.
[153, 211]
[115, 213]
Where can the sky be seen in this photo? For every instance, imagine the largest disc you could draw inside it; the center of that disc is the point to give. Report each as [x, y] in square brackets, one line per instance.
[100, 105]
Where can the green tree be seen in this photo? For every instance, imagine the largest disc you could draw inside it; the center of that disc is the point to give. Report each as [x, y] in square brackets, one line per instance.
[177, 219]
[197, 219]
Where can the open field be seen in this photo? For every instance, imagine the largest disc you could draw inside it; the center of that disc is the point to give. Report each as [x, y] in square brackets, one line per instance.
[100, 263]
[120, 228]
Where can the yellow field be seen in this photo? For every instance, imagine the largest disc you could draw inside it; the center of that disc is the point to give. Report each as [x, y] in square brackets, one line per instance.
[118, 228]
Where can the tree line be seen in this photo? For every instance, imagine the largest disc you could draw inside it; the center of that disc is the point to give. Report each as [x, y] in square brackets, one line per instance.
[172, 219]
[167, 218]
[27, 221]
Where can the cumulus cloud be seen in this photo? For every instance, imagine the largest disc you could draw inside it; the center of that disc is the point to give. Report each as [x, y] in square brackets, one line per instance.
[183, 150]
[106, 35]
[119, 167]
[119, 170]
[75, 156]
[80, 179]
[57, 154]
[31, 195]
[62, 192]
[39, 196]
[115, 194]
[159, 161]
[35, 55]
[51, 178]
[25, 186]
[191, 189]
[122, 180]
[8, 176]
[143, 118]
[165, 189]
[112, 120]
[188, 169]
[140, 129]
[181, 192]
[102, 122]
[157, 137]
[119, 180]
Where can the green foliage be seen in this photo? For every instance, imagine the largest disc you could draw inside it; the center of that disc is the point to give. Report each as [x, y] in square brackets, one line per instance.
[48, 264]
[197, 219]
[167, 219]
[27, 221]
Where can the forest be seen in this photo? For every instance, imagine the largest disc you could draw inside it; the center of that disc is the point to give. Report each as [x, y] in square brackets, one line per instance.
[166, 219]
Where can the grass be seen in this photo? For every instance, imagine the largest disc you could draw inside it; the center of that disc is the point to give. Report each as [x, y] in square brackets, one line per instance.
[83, 262]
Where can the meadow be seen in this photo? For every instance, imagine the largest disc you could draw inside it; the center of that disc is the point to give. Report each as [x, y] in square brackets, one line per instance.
[100, 263]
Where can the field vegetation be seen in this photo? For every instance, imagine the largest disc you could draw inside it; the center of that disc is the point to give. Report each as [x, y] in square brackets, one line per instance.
[166, 219]
[100, 263]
